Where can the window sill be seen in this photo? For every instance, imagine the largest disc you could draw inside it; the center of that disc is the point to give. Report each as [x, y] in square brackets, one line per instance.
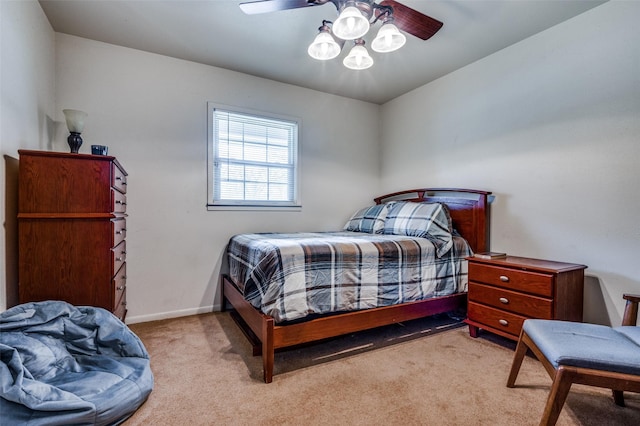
[217, 207]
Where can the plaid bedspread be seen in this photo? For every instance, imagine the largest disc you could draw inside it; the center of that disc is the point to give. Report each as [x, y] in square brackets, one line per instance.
[290, 276]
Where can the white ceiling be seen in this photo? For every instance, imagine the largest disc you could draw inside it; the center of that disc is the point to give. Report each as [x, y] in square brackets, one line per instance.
[274, 45]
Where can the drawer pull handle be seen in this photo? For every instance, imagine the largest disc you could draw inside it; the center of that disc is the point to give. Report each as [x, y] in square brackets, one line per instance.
[120, 288]
[119, 259]
[504, 300]
[503, 322]
[504, 278]
[124, 303]
[120, 178]
[121, 202]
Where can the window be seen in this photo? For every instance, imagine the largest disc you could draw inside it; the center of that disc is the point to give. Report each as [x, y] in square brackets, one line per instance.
[253, 158]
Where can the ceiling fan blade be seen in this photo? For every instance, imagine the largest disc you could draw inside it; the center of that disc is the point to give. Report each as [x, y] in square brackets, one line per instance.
[412, 21]
[265, 6]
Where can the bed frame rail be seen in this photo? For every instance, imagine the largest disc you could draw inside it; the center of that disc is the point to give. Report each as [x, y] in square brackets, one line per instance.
[266, 337]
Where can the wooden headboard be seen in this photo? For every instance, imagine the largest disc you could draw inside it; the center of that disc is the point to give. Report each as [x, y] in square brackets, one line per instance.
[469, 210]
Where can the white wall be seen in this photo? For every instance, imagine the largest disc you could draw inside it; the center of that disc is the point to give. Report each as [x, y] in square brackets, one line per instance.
[150, 110]
[27, 64]
[551, 125]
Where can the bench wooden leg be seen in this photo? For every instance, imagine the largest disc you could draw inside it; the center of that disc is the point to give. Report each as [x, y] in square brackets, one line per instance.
[559, 390]
[521, 351]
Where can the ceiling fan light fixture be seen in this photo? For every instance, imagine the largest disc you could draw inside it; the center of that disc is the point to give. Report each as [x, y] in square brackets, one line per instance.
[324, 47]
[351, 24]
[358, 58]
[389, 38]
[355, 18]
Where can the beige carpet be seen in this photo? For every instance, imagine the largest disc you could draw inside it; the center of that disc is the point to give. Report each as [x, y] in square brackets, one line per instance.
[425, 372]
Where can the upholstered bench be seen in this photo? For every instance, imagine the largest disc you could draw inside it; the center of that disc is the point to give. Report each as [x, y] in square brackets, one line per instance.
[587, 345]
[589, 354]
[61, 364]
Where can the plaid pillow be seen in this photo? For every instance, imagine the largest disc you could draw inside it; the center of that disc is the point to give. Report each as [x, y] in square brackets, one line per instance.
[369, 219]
[426, 220]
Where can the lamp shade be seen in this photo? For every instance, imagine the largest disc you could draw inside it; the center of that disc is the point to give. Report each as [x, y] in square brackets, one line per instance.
[358, 58]
[389, 38]
[324, 47]
[75, 119]
[351, 24]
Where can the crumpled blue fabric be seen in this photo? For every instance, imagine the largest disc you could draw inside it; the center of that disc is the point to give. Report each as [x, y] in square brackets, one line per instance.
[67, 365]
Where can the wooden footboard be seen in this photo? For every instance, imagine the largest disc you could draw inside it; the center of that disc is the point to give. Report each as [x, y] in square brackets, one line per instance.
[263, 331]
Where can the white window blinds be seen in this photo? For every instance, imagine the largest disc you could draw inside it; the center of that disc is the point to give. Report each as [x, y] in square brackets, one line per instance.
[254, 159]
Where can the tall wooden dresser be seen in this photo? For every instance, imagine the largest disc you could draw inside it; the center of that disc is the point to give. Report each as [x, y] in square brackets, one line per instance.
[71, 229]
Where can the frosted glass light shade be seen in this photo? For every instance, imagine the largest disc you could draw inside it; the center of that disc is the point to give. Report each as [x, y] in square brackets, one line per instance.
[75, 120]
[351, 24]
[324, 47]
[358, 58]
[389, 38]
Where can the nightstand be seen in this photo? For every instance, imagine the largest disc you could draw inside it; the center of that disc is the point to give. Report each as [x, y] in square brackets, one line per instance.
[505, 292]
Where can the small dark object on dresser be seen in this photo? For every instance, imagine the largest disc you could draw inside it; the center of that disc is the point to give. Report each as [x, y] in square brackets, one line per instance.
[99, 149]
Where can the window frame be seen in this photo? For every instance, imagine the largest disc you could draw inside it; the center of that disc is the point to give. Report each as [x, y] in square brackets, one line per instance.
[212, 203]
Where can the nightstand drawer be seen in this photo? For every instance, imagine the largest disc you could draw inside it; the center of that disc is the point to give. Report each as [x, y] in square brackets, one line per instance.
[519, 303]
[530, 282]
[496, 319]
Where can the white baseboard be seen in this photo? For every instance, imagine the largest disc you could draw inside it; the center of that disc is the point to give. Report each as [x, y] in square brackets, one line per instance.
[173, 314]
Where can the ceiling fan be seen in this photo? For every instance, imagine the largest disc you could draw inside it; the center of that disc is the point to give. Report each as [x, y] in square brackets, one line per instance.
[407, 19]
[353, 22]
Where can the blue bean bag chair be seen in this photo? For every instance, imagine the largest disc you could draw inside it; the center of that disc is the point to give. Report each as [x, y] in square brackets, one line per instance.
[67, 365]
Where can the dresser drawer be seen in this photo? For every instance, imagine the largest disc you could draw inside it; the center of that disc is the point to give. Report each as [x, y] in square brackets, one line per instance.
[527, 281]
[119, 227]
[119, 201]
[120, 293]
[119, 283]
[120, 310]
[119, 179]
[495, 318]
[518, 303]
[119, 255]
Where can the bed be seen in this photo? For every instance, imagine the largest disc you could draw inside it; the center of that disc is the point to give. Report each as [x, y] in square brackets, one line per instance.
[257, 305]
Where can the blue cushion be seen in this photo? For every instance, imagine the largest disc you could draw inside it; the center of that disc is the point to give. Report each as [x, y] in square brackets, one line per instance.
[62, 364]
[632, 332]
[584, 345]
